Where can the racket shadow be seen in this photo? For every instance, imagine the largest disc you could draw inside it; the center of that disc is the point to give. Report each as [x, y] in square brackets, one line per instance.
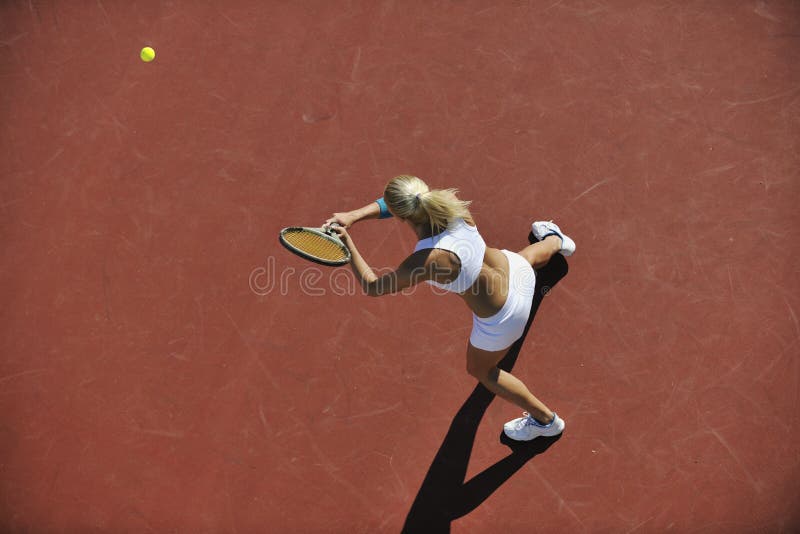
[445, 495]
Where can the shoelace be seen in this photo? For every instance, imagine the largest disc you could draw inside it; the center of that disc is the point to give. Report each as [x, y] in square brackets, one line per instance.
[525, 421]
[528, 420]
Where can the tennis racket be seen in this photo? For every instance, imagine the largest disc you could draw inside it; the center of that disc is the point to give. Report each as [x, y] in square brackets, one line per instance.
[319, 245]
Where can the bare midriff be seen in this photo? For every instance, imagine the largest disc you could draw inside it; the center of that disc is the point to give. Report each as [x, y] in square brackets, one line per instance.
[488, 293]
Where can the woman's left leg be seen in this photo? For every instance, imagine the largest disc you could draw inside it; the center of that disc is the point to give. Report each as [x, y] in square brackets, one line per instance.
[539, 254]
[482, 364]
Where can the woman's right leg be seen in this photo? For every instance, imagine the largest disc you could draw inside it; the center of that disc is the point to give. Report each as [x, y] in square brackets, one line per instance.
[482, 364]
[540, 253]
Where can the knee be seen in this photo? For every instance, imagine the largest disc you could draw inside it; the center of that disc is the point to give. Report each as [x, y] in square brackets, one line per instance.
[481, 372]
[473, 369]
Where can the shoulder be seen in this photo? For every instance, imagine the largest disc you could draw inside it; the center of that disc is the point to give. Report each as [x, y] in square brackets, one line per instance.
[428, 256]
[434, 264]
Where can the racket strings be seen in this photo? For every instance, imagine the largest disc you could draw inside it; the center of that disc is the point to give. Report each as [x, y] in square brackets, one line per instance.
[315, 245]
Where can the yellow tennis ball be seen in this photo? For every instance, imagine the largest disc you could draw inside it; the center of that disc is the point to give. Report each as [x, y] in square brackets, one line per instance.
[147, 54]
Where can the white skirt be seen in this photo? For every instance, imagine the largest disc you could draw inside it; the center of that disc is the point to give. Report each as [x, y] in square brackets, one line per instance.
[502, 329]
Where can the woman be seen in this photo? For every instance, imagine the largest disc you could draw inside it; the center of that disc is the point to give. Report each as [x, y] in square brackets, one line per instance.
[497, 285]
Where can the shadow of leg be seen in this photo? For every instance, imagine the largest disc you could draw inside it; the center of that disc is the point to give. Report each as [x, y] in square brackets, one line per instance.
[438, 495]
[482, 485]
[443, 495]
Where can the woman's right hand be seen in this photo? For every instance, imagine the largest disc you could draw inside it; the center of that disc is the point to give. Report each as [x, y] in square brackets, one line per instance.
[344, 219]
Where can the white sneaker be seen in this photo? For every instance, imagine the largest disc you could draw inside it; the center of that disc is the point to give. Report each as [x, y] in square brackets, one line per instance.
[526, 428]
[542, 229]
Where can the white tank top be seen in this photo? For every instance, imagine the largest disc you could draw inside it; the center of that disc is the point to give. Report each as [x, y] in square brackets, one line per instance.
[465, 242]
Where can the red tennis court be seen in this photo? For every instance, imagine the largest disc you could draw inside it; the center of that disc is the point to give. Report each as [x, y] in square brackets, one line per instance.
[166, 366]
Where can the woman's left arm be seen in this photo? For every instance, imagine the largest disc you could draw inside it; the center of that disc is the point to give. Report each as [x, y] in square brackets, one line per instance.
[413, 270]
[363, 271]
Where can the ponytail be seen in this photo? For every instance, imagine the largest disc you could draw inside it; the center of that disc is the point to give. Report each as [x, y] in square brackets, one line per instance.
[411, 198]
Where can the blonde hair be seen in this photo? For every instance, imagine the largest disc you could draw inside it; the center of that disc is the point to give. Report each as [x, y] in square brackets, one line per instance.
[411, 198]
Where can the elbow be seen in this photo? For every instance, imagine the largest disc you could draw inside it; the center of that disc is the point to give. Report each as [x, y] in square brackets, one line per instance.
[372, 289]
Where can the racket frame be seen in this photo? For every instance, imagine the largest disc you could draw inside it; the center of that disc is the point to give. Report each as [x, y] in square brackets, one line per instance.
[322, 232]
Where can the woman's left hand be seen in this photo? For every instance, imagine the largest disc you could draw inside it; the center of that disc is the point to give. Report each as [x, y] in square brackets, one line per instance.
[342, 233]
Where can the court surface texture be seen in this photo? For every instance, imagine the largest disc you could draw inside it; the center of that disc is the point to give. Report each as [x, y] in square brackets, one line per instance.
[166, 366]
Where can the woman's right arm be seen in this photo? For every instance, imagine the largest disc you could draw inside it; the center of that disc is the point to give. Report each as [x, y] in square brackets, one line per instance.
[370, 211]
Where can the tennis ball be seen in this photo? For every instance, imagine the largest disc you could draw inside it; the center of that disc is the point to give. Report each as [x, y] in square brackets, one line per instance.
[147, 54]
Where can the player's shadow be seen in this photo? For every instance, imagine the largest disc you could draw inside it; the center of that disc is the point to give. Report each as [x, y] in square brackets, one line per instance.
[445, 495]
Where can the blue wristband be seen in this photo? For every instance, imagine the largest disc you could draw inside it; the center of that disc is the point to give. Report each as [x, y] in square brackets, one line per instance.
[385, 213]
